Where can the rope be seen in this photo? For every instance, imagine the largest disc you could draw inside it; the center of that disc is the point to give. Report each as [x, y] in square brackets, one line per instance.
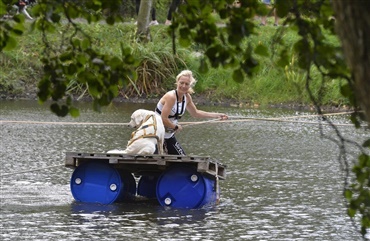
[259, 119]
[61, 123]
[236, 119]
[39, 169]
[198, 122]
[263, 119]
[283, 119]
[298, 116]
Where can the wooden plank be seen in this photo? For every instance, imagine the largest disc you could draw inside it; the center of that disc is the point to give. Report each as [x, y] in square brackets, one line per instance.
[70, 161]
[204, 164]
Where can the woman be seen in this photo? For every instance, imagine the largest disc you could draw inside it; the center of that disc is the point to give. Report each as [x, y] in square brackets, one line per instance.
[264, 18]
[21, 6]
[172, 106]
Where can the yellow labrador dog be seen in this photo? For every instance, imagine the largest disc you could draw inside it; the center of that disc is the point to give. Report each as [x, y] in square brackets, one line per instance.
[148, 136]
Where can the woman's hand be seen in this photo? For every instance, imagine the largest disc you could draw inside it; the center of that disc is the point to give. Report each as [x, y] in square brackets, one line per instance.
[223, 116]
[178, 129]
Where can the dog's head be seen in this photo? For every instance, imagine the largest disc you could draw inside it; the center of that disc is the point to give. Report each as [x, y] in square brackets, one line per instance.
[138, 117]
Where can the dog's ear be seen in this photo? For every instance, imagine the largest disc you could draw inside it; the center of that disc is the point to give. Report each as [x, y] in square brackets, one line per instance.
[143, 115]
[138, 120]
[138, 117]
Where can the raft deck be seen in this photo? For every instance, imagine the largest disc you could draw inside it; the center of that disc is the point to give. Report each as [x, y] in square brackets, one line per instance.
[142, 164]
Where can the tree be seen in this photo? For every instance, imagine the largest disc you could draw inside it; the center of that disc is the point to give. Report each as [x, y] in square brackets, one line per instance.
[353, 24]
[143, 32]
[225, 46]
[75, 59]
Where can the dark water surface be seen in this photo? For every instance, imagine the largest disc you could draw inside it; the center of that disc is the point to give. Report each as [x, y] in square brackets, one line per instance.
[283, 180]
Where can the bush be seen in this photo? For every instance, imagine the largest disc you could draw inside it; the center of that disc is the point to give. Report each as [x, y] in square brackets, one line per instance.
[158, 67]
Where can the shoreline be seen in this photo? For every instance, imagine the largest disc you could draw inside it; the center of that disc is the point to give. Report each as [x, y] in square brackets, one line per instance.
[200, 100]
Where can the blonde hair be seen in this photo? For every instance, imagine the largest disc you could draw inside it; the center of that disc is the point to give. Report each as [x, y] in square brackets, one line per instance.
[189, 74]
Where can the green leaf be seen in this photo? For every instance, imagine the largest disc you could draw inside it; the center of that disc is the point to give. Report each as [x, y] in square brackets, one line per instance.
[283, 7]
[110, 20]
[71, 70]
[69, 101]
[238, 76]
[364, 160]
[19, 18]
[59, 110]
[115, 62]
[355, 121]
[366, 143]
[113, 89]
[261, 50]
[81, 59]
[185, 42]
[85, 44]
[96, 106]
[72, 12]
[94, 89]
[203, 68]
[66, 56]
[283, 59]
[346, 90]
[351, 212]
[76, 42]
[74, 112]
[55, 18]
[18, 29]
[45, 26]
[44, 89]
[348, 194]
[63, 111]
[11, 43]
[303, 49]
[184, 33]
[2, 8]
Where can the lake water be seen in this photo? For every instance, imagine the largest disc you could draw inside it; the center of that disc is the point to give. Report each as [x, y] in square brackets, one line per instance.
[283, 179]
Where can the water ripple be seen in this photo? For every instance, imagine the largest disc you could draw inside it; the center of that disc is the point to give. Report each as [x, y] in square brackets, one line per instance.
[283, 180]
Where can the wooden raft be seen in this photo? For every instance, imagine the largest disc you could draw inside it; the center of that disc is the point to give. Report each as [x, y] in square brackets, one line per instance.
[139, 164]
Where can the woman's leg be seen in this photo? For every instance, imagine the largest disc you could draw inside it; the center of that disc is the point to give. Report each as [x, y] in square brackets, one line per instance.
[153, 14]
[173, 147]
[173, 7]
[137, 6]
[24, 11]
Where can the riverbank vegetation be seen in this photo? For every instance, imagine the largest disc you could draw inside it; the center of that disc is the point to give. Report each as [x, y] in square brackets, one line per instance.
[300, 62]
[157, 66]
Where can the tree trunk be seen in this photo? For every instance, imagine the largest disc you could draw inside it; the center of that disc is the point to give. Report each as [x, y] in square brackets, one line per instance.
[143, 32]
[353, 28]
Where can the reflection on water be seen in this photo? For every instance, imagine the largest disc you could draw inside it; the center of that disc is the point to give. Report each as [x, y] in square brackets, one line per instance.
[283, 180]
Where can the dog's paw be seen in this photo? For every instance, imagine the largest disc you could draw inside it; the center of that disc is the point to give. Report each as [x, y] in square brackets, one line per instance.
[115, 151]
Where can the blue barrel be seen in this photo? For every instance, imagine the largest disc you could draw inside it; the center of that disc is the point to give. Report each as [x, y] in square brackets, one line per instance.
[181, 186]
[99, 182]
[147, 186]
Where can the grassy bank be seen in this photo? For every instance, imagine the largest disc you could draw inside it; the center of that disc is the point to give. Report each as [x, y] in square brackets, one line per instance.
[21, 69]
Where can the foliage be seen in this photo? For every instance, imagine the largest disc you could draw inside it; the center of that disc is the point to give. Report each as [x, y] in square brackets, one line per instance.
[158, 66]
[229, 47]
[76, 58]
